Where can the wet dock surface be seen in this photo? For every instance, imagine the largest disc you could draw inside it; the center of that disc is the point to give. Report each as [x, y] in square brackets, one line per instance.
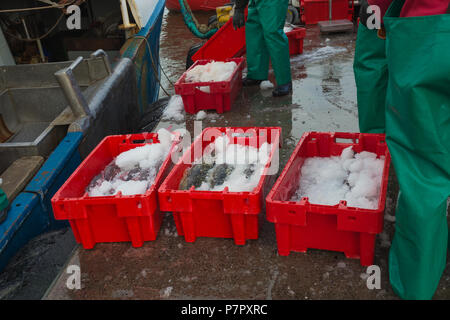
[324, 99]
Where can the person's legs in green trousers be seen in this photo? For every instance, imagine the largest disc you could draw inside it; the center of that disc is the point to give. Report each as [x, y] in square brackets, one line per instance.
[257, 54]
[266, 39]
[418, 137]
[371, 77]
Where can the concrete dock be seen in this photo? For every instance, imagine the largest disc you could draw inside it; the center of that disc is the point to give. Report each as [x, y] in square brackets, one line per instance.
[323, 99]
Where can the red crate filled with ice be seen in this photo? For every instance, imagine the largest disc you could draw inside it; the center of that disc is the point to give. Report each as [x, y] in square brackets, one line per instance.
[331, 194]
[211, 85]
[218, 187]
[112, 195]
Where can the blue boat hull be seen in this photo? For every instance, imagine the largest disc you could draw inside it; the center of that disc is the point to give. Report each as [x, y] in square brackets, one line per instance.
[31, 212]
[148, 71]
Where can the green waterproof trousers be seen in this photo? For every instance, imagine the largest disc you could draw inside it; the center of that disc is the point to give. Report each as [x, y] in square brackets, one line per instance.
[371, 77]
[418, 137]
[266, 40]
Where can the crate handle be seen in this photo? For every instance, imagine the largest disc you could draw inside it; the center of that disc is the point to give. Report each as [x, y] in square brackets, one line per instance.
[141, 141]
[346, 140]
[242, 135]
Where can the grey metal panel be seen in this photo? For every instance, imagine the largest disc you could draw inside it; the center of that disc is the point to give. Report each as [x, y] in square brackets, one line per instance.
[114, 108]
[47, 143]
[37, 104]
[42, 75]
[8, 112]
[32, 99]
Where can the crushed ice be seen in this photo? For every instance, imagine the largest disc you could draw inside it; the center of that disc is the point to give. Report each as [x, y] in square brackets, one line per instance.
[134, 171]
[319, 54]
[174, 109]
[201, 115]
[214, 71]
[355, 178]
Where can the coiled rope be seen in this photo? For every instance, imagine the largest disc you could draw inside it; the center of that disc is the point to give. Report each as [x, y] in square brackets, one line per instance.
[201, 31]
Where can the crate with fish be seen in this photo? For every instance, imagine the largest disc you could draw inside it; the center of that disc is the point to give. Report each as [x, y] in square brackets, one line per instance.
[112, 195]
[295, 36]
[211, 85]
[331, 195]
[217, 188]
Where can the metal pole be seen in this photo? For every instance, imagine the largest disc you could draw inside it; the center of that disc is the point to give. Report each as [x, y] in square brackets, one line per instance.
[127, 26]
[39, 44]
[124, 9]
[72, 91]
[104, 55]
[26, 29]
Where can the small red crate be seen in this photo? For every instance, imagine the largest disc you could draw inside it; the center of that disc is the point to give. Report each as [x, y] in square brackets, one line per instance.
[116, 218]
[318, 10]
[295, 38]
[219, 214]
[302, 225]
[220, 96]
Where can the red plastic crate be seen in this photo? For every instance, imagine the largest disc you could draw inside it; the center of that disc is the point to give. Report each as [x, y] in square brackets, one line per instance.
[318, 10]
[218, 214]
[302, 225]
[295, 38]
[226, 43]
[118, 218]
[220, 96]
